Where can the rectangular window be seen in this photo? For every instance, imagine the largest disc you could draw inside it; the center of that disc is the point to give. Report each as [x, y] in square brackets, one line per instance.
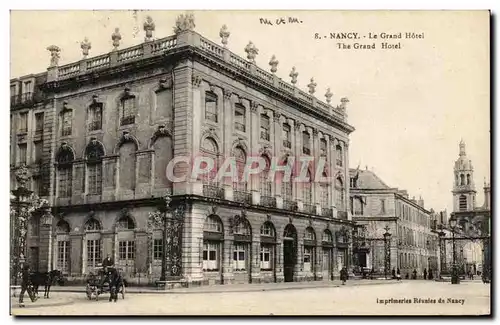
[307, 193]
[358, 206]
[22, 153]
[126, 250]
[211, 256]
[351, 203]
[37, 185]
[306, 147]
[265, 127]
[23, 123]
[65, 181]
[93, 253]
[382, 206]
[63, 251]
[265, 257]
[127, 111]
[95, 179]
[287, 139]
[307, 259]
[239, 118]
[211, 106]
[12, 91]
[35, 227]
[38, 151]
[157, 249]
[95, 117]
[239, 259]
[67, 122]
[39, 119]
[27, 91]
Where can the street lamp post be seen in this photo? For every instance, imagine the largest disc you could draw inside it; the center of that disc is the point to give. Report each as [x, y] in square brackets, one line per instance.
[387, 251]
[19, 226]
[454, 272]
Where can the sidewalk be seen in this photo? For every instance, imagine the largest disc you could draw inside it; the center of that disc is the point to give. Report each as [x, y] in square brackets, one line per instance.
[41, 302]
[238, 287]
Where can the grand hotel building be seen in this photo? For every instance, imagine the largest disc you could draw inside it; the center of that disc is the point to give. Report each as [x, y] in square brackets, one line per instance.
[97, 135]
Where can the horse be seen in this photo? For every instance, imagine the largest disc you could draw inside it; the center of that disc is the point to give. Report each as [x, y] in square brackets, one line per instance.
[47, 279]
[116, 282]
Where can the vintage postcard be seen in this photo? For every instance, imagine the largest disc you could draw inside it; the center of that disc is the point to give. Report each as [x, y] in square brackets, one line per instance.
[250, 163]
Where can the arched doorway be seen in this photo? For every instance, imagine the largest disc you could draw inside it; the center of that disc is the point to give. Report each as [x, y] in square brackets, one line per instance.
[289, 252]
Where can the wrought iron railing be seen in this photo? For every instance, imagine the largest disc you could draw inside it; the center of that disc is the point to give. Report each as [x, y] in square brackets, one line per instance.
[127, 120]
[211, 116]
[95, 125]
[287, 144]
[342, 214]
[327, 212]
[268, 201]
[66, 131]
[264, 135]
[213, 191]
[289, 205]
[306, 150]
[309, 208]
[239, 126]
[243, 197]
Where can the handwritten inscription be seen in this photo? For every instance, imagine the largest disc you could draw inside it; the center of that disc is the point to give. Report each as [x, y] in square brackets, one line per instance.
[280, 21]
[348, 40]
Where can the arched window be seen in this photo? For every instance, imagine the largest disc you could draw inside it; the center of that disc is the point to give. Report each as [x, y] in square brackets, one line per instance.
[94, 154]
[327, 236]
[126, 243]
[462, 179]
[468, 179]
[210, 150]
[66, 122]
[339, 189]
[456, 180]
[241, 157]
[63, 247]
[267, 246]
[267, 230]
[212, 239]
[65, 158]
[95, 116]
[339, 155]
[242, 245]
[462, 203]
[309, 249]
[323, 148]
[242, 228]
[93, 244]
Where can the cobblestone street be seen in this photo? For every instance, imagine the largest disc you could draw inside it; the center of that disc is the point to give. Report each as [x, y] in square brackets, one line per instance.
[468, 298]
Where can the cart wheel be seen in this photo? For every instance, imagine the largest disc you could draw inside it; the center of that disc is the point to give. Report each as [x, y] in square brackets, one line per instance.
[123, 291]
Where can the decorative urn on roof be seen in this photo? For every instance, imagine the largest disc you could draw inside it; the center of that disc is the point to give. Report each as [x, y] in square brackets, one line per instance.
[184, 22]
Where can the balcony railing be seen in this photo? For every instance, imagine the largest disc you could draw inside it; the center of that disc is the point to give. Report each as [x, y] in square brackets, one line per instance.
[211, 116]
[287, 144]
[268, 201]
[309, 208]
[66, 132]
[242, 197]
[95, 125]
[127, 120]
[327, 212]
[264, 135]
[213, 191]
[342, 214]
[239, 126]
[289, 205]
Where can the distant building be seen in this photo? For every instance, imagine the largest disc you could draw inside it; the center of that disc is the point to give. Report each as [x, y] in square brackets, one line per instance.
[472, 247]
[375, 206]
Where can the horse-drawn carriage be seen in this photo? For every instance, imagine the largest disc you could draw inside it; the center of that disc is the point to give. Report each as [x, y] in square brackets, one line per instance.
[105, 281]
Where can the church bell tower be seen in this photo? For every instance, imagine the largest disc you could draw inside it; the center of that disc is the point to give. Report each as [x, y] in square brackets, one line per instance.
[464, 190]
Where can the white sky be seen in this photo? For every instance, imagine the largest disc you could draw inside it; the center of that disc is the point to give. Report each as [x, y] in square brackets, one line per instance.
[410, 107]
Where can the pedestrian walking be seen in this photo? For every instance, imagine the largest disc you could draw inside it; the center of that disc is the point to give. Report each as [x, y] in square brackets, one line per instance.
[26, 285]
[393, 273]
[431, 276]
[425, 274]
[398, 275]
[343, 275]
[414, 277]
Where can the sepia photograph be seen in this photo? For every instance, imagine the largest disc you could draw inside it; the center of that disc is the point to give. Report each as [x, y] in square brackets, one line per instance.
[250, 163]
